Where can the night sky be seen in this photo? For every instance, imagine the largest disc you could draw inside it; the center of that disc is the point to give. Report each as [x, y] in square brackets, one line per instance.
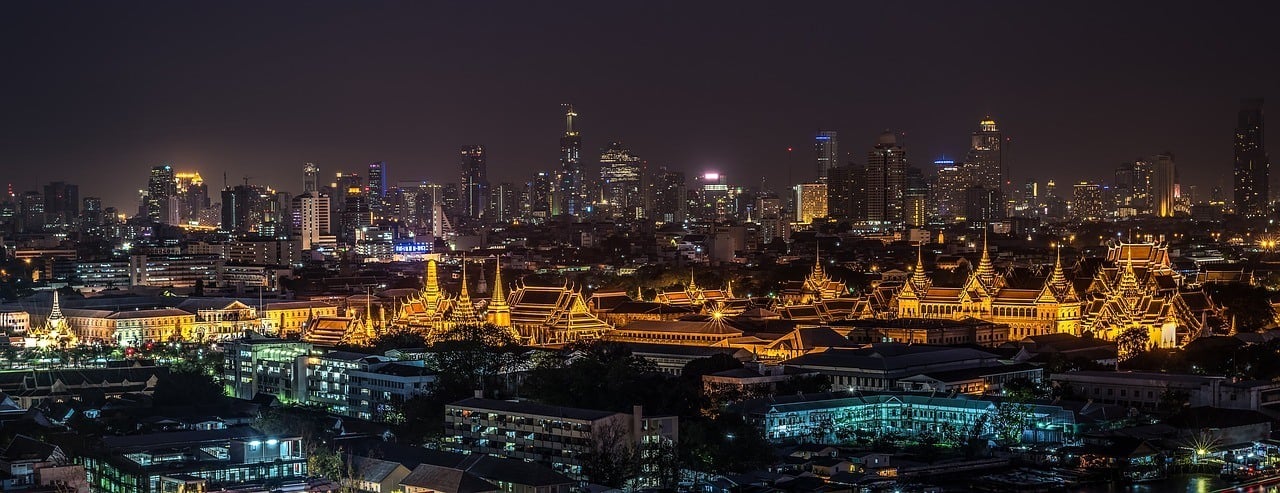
[98, 92]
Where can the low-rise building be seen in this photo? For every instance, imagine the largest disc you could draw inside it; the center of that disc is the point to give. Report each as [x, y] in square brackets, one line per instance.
[969, 331]
[1147, 390]
[193, 460]
[30, 465]
[561, 437]
[880, 367]
[821, 417]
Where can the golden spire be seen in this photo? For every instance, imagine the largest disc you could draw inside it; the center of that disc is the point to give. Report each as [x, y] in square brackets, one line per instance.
[464, 312]
[431, 288]
[918, 278]
[498, 296]
[985, 271]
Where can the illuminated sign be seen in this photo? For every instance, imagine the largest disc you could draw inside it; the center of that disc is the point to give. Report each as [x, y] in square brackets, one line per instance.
[408, 248]
[823, 137]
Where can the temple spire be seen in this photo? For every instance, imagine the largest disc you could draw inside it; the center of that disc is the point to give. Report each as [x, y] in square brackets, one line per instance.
[56, 312]
[498, 295]
[918, 278]
[985, 272]
[431, 288]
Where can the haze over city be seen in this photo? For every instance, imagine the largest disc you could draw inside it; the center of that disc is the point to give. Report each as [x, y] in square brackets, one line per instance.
[100, 93]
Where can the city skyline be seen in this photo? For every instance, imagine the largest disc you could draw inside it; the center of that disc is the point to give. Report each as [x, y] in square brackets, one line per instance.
[721, 99]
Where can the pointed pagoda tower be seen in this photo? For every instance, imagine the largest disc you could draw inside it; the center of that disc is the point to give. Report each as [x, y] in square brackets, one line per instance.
[464, 311]
[431, 287]
[57, 332]
[499, 312]
[1058, 300]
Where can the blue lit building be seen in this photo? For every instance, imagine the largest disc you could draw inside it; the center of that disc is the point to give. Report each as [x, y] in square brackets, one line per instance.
[820, 417]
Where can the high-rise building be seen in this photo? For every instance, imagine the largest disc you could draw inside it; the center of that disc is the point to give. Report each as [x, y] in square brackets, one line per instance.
[670, 197]
[192, 197]
[377, 191]
[61, 202]
[620, 176]
[886, 181]
[840, 192]
[475, 182]
[311, 222]
[92, 211]
[541, 196]
[503, 203]
[572, 192]
[242, 207]
[949, 194]
[915, 198]
[827, 149]
[310, 178]
[1164, 185]
[985, 158]
[811, 202]
[1252, 166]
[1087, 203]
[161, 186]
[32, 207]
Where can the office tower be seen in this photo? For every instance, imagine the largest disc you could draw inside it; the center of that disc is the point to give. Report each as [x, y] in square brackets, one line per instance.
[61, 202]
[715, 199]
[242, 207]
[311, 220]
[503, 203]
[1252, 166]
[982, 205]
[343, 184]
[32, 207]
[620, 176]
[985, 158]
[192, 197]
[1164, 184]
[1087, 203]
[572, 197]
[160, 187]
[670, 197]
[475, 182]
[772, 217]
[811, 202]
[886, 180]
[949, 194]
[377, 192]
[541, 196]
[839, 192]
[827, 149]
[310, 178]
[356, 215]
[91, 211]
[915, 198]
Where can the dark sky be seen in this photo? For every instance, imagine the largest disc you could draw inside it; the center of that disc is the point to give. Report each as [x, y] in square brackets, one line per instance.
[98, 92]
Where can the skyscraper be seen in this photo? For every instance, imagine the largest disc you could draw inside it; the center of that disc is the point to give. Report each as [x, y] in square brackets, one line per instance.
[1252, 167]
[985, 159]
[1086, 203]
[475, 182]
[670, 196]
[840, 192]
[1164, 184]
[915, 198]
[192, 197]
[886, 181]
[377, 185]
[827, 149]
[160, 187]
[811, 202]
[310, 178]
[61, 202]
[571, 190]
[620, 173]
[949, 194]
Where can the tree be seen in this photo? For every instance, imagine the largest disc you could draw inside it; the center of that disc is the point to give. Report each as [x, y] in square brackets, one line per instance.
[1132, 342]
[612, 460]
[187, 386]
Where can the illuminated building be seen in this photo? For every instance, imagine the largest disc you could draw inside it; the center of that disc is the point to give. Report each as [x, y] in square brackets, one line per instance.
[174, 271]
[572, 190]
[475, 181]
[985, 162]
[1138, 288]
[915, 199]
[1164, 185]
[553, 315]
[504, 203]
[811, 202]
[56, 331]
[310, 178]
[816, 287]
[161, 187]
[377, 191]
[311, 220]
[886, 181]
[194, 461]
[826, 147]
[498, 312]
[949, 194]
[670, 197]
[192, 197]
[1086, 202]
[818, 417]
[620, 174]
[548, 434]
[1252, 165]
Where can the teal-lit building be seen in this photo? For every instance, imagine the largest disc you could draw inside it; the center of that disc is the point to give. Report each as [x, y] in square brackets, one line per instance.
[202, 460]
[821, 417]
